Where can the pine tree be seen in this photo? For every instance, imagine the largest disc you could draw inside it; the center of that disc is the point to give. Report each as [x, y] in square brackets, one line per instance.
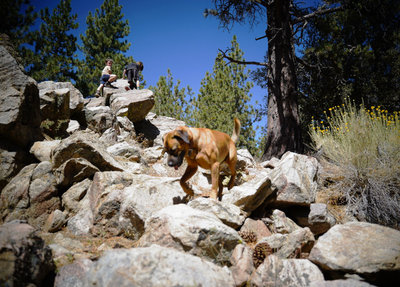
[284, 22]
[224, 94]
[103, 39]
[355, 53]
[55, 47]
[170, 99]
[17, 17]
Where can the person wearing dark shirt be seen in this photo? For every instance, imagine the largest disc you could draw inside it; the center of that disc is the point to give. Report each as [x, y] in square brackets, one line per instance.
[131, 71]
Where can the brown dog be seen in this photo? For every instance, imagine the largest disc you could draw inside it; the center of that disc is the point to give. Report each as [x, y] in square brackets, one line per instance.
[202, 147]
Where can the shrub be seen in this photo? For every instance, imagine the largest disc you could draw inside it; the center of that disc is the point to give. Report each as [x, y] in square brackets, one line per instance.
[365, 146]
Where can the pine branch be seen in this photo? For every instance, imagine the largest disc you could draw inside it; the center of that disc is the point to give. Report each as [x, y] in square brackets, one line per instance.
[318, 12]
[232, 60]
[306, 64]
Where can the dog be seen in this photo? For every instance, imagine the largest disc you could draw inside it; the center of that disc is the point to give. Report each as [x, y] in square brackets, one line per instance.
[205, 148]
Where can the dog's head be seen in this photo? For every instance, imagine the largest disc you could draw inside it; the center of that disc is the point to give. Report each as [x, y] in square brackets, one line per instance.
[176, 144]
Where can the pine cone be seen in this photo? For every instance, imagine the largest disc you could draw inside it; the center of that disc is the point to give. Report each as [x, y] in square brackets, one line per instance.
[248, 236]
[261, 251]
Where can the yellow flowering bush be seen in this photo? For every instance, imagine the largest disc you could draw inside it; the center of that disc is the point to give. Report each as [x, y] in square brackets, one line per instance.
[365, 145]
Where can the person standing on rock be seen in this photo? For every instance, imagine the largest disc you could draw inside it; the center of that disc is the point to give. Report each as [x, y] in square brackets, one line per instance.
[132, 72]
[107, 77]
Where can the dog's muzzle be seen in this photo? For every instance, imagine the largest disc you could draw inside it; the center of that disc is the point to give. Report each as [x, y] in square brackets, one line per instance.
[176, 160]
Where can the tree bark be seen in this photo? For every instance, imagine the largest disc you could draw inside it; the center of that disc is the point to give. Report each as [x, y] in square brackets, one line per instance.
[283, 126]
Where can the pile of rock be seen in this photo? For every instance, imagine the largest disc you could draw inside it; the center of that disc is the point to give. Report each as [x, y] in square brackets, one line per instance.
[92, 196]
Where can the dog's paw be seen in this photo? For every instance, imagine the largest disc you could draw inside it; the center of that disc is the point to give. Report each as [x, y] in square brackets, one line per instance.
[211, 195]
[188, 198]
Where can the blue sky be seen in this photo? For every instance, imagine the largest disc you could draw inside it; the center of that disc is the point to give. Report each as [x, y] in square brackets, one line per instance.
[175, 35]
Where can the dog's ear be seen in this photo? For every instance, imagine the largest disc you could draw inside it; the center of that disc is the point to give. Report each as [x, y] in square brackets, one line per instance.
[183, 135]
[164, 150]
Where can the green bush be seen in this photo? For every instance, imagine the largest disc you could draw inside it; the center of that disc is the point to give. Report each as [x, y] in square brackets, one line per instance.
[364, 145]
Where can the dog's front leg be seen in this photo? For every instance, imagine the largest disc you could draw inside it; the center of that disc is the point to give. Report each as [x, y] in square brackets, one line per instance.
[214, 180]
[189, 172]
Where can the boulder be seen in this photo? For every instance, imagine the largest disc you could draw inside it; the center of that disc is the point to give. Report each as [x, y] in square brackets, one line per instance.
[155, 266]
[19, 114]
[293, 245]
[229, 214]
[99, 119]
[280, 223]
[72, 197]
[82, 222]
[320, 219]
[43, 195]
[94, 102]
[286, 272]
[31, 195]
[42, 150]
[72, 275]
[97, 204]
[74, 170]
[256, 227]
[70, 243]
[242, 264]
[250, 194]
[151, 155]
[85, 145]
[141, 199]
[15, 195]
[245, 159]
[294, 178]
[370, 250]
[341, 283]
[126, 150]
[154, 127]
[25, 260]
[194, 231]
[54, 112]
[118, 87]
[11, 162]
[76, 101]
[134, 104]
[55, 221]
[73, 126]
[19, 102]
[271, 163]
[43, 183]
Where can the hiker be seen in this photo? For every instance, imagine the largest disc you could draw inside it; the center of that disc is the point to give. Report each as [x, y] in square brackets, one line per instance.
[106, 77]
[132, 72]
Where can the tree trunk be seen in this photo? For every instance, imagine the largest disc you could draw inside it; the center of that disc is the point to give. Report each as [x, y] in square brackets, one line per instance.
[283, 127]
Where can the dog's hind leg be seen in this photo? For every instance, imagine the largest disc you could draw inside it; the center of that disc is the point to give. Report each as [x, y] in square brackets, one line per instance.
[233, 176]
[220, 188]
[232, 166]
[215, 180]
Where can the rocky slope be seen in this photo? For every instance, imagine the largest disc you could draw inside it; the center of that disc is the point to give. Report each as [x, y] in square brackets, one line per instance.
[87, 199]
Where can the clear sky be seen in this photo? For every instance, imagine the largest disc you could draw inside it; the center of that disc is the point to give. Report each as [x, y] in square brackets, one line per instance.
[174, 34]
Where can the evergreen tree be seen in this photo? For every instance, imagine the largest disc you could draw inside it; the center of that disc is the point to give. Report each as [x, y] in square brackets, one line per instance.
[170, 99]
[17, 17]
[103, 39]
[284, 20]
[55, 47]
[355, 53]
[224, 94]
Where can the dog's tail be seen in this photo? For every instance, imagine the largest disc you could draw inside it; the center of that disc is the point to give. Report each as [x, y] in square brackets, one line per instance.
[236, 130]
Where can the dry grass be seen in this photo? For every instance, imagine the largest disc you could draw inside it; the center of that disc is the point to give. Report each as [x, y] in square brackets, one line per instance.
[364, 146]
